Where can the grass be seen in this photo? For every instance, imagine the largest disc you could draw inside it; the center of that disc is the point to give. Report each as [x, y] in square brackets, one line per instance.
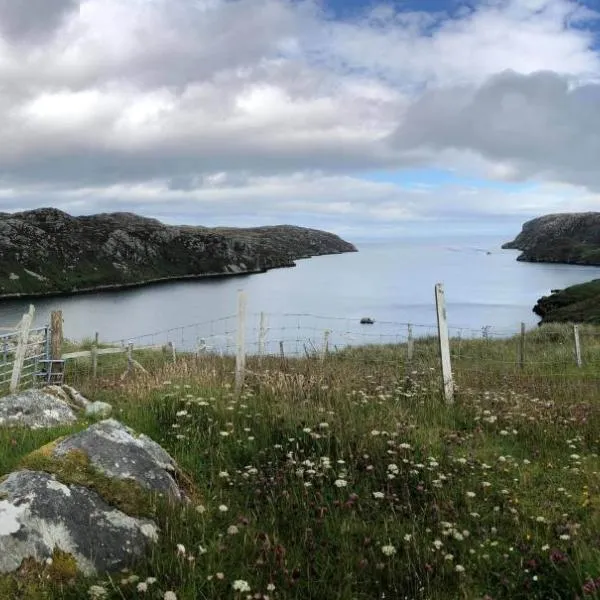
[349, 478]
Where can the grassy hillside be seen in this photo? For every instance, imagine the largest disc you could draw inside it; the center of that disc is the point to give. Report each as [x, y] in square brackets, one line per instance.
[348, 478]
[575, 304]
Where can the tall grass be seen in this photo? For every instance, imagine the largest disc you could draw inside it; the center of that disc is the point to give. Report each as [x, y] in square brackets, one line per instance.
[349, 478]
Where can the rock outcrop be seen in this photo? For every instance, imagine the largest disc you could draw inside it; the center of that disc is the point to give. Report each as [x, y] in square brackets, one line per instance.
[47, 251]
[90, 496]
[562, 238]
[48, 407]
[575, 304]
[39, 514]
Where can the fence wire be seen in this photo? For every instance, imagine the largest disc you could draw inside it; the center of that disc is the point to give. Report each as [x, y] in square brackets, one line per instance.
[271, 340]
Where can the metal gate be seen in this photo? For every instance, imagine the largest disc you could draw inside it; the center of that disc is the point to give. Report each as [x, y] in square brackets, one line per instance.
[23, 356]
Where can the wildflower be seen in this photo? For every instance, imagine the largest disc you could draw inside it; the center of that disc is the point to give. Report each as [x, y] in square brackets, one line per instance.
[150, 580]
[232, 530]
[180, 549]
[223, 508]
[407, 537]
[388, 550]
[239, 585]
[200, 508]
[220, 576]
[340, 483]
[564, 536]
[142, 586]
[223, 474]
[470, 494]
[270, 587]
[97, 592]
[459, 569]
[323, 425]
[449, 557]
[169, 595]
[404, 446]
[438, 544]
[378, 495]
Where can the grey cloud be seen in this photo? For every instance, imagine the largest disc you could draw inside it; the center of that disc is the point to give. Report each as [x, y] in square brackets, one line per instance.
[32, 20]
[538, 124]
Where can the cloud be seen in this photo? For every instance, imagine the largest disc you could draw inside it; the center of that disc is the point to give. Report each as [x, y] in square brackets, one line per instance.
[33, 20]
[209, 107]
[536, 125]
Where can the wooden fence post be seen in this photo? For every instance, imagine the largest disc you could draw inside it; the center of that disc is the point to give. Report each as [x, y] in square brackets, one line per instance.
[171, 347]
[95, 356]
[444, 341]
[130, 357]
[410, 345]
[240, 356]
[24, 328]
[325, 349]
[577, 345]
[56, 341]
[522, 347]
[262, 334]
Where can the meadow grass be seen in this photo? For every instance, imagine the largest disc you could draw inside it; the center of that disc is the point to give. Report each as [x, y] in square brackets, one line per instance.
[350, 478]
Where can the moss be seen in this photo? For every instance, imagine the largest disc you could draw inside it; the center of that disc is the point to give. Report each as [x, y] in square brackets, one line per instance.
[63, 568]
[35, 580]
[74, 468]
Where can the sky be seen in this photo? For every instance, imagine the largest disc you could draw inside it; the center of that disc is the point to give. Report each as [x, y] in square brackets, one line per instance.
[366, 118]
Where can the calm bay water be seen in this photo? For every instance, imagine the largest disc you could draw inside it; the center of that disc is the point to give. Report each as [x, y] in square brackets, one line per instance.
[392, 282]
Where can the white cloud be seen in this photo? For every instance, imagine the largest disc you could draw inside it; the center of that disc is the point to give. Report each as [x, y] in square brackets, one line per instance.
[211, 107]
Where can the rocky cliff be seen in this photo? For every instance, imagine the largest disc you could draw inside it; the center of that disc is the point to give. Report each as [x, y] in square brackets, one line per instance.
[47, 251]
[575, 304]
[563, 238]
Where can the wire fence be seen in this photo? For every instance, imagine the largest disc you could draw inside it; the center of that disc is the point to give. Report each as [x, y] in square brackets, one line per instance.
[485, 353]
[262, 340]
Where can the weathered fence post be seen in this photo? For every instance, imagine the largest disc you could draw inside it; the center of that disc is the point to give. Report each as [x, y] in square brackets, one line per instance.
[577, 345]
[171, 347]
[240, 356]
[410, 345]
[130, 357]
[24, 328]
[56, 341]
[444, 341]
[281, 352]
[95, 356]
[325, 349]
[262, 334]
[522, 347]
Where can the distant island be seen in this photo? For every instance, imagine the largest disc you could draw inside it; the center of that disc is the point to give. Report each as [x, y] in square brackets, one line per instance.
[570, 238]
[49, 252]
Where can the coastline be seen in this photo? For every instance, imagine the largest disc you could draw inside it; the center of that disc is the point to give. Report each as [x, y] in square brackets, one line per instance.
[136, 284]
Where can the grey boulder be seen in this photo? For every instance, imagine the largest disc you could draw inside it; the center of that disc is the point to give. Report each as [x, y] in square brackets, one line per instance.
[38, 514]
[36, 409]
[118, 452]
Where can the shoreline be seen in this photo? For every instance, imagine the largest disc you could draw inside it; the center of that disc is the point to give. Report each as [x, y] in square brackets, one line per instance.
[136, 284]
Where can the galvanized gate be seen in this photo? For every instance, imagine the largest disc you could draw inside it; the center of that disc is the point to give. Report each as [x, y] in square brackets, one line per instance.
[23, 357]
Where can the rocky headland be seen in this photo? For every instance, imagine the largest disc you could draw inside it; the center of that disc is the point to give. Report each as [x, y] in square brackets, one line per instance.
[46, 251]
[572, 238]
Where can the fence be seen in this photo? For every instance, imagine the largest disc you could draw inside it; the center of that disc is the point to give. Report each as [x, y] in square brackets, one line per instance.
[455, 353]
[22, 354]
